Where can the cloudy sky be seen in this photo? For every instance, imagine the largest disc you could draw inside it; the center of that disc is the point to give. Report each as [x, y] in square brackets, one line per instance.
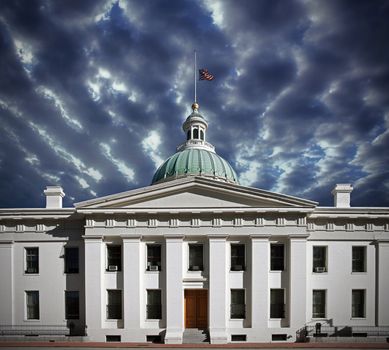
[93, 94]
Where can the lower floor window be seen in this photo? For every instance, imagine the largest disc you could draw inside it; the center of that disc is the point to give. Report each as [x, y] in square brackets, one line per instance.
[277, 304]
[319, 304]
[358, 303]
[238, 305]
[154, 307]
[72, 305]
[32, 303]
[114, 306]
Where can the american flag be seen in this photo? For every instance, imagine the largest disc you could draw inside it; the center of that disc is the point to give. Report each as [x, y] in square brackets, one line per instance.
[205, 75]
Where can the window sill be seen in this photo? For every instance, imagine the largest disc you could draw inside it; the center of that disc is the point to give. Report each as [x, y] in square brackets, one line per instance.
[237, 319]
[277, 271]
[32, 320]
[358, 318]
[31, 274]
[319, 318]
[359, 273]
[277, 318]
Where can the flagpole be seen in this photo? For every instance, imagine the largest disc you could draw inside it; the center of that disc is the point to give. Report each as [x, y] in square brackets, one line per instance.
[195, 80]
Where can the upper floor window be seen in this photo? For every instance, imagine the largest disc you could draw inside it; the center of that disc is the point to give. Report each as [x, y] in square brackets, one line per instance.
[318, 303]
[114, 258]
[32, 260]
[238, 304]
[72, 305]
[153, 307]
[153, 257]
[195, 257]
[32, 305]
[71, 260]
[359, 259]
[319, 259]
[358, 303]
[277, 303]
[237, 257]
[276, 257]
[114, 304]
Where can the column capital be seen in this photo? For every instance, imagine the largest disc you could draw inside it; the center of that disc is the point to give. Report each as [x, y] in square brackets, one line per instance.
[174, 236]
[217, 236]
[301, 236]
[127, 237]
[90, 238]
[259, 236]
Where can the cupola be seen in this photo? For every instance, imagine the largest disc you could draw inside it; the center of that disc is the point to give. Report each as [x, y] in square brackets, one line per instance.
[195, 157]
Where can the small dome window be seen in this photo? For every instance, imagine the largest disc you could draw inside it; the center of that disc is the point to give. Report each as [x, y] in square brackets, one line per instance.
[188, 135]
[195, 133]
[201, 134]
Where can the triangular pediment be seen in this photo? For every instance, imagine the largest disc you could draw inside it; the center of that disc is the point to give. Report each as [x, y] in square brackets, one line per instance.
[195, 193]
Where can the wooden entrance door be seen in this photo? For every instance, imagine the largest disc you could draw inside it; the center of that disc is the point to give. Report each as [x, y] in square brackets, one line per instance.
[196, 308]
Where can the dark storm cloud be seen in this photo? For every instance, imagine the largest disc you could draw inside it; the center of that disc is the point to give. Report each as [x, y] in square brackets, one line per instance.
[93, 94]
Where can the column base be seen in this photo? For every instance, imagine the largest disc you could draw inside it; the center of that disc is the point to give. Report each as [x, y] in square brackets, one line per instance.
[173, 336]
[218, 336]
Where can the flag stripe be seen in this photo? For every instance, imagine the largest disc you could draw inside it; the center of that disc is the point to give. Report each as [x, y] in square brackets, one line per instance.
[205, 75]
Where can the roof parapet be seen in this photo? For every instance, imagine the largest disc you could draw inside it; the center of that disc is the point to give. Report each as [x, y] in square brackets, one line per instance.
[54, 195]
[342, 197]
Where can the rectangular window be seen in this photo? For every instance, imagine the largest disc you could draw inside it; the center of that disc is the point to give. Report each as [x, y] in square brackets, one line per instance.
[237, 257]
[72, 305]
[359, 259]
[358, 303]
[277, 303]
[154, 257]
[318, 303]
[319, 259]
[32, 304]
[32, 260]
[114, 306]
[114, 258]
[195, 257]
[71, 260]
[277, 257]
[154, 307]
[238, 305]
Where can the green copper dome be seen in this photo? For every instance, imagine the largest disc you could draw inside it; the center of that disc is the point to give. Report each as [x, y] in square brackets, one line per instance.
[195, 161]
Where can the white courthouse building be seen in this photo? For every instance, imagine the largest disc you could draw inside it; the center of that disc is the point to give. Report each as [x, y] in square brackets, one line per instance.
[194, 250]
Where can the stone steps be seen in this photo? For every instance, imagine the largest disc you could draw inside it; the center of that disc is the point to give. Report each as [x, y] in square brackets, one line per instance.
[195, 336]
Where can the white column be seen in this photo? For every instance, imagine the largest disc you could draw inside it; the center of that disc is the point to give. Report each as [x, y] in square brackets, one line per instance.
[218, 289]
[260, 282]
[174, 290]
[6, 285]
[297, 281]
[382, 283]
[132, 282]
[94, 303]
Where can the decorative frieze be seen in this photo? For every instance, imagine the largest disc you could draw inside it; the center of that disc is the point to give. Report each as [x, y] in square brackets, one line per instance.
[131, 222]
[174, 222]
[280, 222]
[216, 222]
[349, 227]
[302, 221]
[311, 226]
[196, 222]
[20, 228]
[110, 223]
[40, 228]
[238, 222]
[2, 228]
[386, 227]
[330, 226]
[369, 227]
[259, 222]
[152, 223]
[89, 223]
